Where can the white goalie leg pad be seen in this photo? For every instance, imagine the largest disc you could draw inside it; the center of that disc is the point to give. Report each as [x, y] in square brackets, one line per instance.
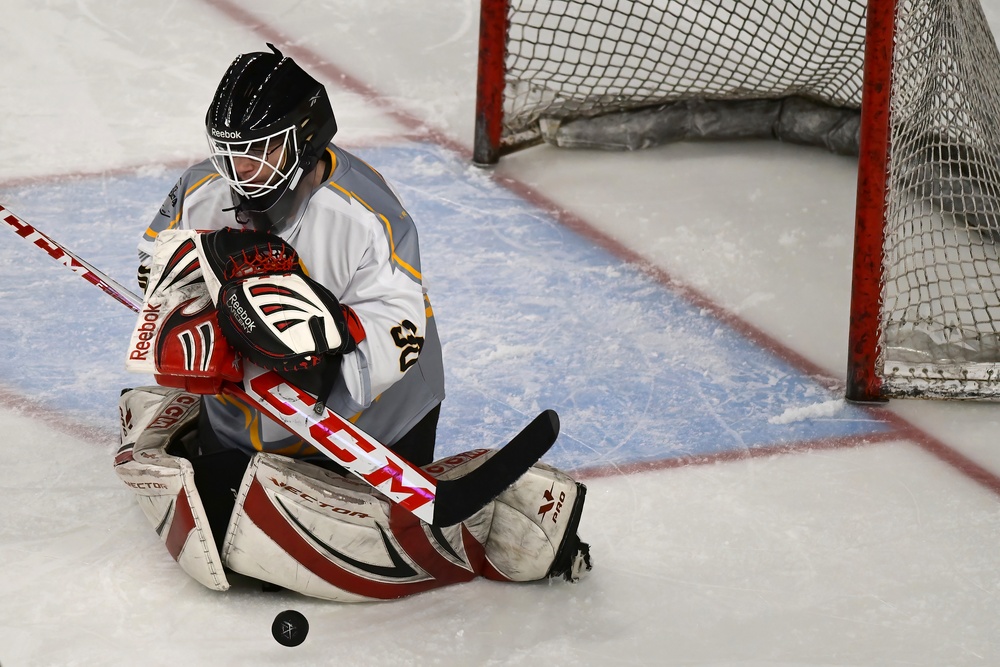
[152, 419]
[530, 528]
[534, 530]
[315, 532]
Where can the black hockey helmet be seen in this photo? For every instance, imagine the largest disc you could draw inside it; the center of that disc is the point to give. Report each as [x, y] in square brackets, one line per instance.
[268, 125]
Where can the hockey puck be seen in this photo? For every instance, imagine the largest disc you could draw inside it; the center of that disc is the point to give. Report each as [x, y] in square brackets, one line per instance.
[290, 628]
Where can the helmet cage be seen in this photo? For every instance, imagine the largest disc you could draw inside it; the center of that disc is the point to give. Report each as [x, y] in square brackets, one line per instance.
[264, 164]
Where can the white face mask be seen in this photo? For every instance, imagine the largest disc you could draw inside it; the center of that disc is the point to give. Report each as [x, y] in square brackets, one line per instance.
[256, 168]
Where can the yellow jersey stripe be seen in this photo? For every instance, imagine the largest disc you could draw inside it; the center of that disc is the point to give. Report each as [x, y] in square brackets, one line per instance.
[385, 221]
[152, 233]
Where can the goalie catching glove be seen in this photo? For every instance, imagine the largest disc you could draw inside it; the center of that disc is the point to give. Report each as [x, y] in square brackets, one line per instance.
[272, 313]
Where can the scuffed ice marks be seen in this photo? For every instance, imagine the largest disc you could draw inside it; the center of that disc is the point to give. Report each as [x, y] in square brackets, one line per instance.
[532, 316]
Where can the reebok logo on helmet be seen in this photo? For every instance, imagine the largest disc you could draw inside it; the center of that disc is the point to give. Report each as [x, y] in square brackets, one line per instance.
[225, 134]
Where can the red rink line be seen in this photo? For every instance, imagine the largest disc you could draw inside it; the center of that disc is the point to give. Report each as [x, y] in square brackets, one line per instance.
[800, 447]
[28, 181]
[929, 444]
[20, 405]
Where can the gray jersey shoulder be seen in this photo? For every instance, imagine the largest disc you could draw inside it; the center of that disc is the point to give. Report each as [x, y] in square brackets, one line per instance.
[202, 178]
[353, 177]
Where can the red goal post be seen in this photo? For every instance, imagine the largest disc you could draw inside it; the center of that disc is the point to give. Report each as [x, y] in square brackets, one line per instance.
[910, 86]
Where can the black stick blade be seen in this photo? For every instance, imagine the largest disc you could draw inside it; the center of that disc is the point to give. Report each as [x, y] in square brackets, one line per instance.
[460, 498]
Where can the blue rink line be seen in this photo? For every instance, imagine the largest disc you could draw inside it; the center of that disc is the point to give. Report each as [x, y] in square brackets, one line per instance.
[532, 316]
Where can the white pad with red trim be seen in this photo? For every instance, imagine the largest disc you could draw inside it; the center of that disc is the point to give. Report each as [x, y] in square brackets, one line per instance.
[315, 532]
[318, 533]
[530, 521]
[153, 418]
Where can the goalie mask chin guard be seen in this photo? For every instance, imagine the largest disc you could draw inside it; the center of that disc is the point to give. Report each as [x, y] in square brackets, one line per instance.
[268, 126]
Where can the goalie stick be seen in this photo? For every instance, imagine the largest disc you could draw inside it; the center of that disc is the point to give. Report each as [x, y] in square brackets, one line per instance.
[437, 502]
[81, 268]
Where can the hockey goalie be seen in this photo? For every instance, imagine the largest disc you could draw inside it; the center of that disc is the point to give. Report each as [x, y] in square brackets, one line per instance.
[294, 519]
[287, 257]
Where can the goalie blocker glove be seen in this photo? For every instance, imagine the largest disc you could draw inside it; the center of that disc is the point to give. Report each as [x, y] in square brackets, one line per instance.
[272, 313]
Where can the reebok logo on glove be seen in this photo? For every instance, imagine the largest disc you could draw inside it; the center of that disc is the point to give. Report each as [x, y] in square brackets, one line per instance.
[240, 314]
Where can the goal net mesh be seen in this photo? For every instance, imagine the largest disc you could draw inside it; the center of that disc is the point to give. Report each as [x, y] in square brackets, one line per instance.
[638, 71]
[940, 307]
[570, 60]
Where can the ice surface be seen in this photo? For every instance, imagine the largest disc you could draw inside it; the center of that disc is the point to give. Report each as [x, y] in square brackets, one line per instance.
[692, 338]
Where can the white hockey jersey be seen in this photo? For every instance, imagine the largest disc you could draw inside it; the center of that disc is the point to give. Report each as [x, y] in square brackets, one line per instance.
[356, 239]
